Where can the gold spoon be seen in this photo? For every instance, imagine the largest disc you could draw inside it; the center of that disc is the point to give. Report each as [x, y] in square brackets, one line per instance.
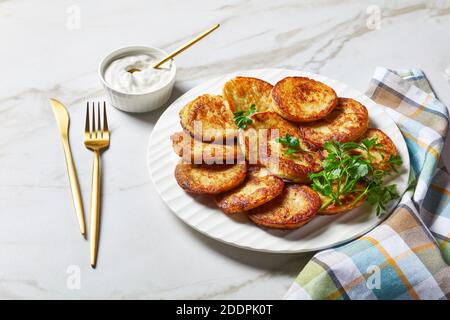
[186, 45]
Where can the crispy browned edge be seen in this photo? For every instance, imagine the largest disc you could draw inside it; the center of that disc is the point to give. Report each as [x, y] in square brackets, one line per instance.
[280, 101]
[261, 84]
[177, 141]
[230, 204]
[226, 152]
[388, 146]
[308, 133]
[188, 127]
[287, 168]
[297, 172]
[345, 207]
[268, 117]
[257, 215]
[332, 210]
[184, 179]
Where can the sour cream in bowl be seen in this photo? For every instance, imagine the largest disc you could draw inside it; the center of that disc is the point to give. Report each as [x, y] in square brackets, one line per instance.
[131, 82]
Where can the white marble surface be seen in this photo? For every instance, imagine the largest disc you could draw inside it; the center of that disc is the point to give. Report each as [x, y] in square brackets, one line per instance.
[145, 251]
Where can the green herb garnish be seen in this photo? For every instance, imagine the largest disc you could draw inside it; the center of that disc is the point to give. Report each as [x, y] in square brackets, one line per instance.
[395, 162]
[242, 118]
[291, 142]
[368, 144]
[345, 172]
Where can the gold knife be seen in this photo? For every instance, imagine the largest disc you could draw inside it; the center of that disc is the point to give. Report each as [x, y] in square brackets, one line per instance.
[62, 119]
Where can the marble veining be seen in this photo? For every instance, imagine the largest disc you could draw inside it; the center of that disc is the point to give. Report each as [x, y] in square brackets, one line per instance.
[53, 50]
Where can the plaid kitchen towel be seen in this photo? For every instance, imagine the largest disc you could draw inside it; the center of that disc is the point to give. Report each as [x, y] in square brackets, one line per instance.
[404, 257]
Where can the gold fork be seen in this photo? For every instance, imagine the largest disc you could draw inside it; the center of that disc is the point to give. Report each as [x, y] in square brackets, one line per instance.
[96, 139]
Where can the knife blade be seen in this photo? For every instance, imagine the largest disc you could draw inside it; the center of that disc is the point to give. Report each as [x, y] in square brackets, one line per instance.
[62, 119]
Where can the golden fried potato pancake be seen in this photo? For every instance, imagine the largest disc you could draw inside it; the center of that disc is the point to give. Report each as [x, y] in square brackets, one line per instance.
[262, 122]
[253, 144]
[212, 114]
[209, 179]
[301, 99]
[196, 151]
[346, 202]
[262, 147]
[293, 208]
[348, 121]
[379, 155]
[242, 92]
[272, 120]
[294, 167]
[259, 187]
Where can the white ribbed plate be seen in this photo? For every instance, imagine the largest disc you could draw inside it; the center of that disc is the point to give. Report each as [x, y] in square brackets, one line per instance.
[201, 214]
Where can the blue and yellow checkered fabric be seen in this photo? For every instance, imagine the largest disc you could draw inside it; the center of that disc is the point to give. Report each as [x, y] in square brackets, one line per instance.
[406, 256]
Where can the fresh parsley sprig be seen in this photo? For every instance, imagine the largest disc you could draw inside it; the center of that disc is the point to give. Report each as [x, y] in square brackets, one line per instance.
[242, 118]
[291, 142]
[395, 162]
[368, 144]
[341, 171]
[344, 172]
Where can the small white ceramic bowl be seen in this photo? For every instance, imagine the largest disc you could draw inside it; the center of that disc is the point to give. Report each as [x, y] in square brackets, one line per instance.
[137, 102]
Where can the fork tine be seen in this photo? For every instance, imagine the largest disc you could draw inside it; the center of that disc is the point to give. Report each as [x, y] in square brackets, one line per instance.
[93, 129]
[105, 120]
[86, 127]
[99, 120]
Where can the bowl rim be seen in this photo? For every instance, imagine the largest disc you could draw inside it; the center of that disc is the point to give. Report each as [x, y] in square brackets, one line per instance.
[123, 51]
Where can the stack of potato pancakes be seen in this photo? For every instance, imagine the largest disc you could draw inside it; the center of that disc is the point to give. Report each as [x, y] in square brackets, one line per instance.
[231, 147]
